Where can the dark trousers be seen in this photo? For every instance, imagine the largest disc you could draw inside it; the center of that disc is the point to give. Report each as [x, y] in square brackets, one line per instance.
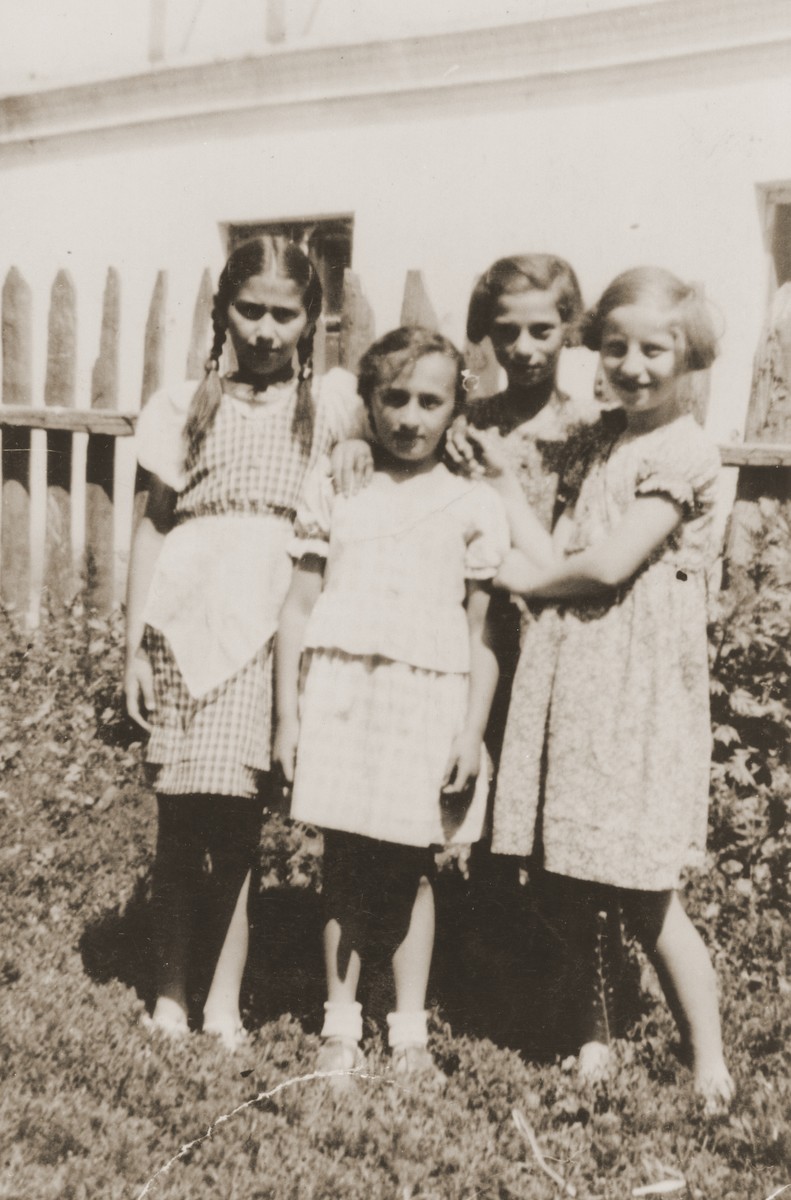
[369, 888]
[585, 920]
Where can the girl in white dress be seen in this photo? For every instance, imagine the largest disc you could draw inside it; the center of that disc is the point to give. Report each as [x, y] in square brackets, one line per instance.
[208, 574]
[382, 738]
[604, 774]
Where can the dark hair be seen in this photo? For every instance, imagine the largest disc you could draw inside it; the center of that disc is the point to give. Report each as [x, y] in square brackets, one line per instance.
[689, 316]
[260, 256]
[524, 273]
[401, 348]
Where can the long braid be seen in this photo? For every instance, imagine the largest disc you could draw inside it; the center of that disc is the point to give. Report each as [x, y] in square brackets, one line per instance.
[304, 412]
[208, 394]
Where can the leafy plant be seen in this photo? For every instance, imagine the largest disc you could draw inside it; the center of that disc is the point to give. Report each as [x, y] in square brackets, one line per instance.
[751, 717]
[93, 1106]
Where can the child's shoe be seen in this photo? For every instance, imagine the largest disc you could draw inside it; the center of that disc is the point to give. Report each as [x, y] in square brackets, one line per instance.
[230, 1031]
[408, 1040]
[340, 1057]
[168, 1018]
[594, 1063]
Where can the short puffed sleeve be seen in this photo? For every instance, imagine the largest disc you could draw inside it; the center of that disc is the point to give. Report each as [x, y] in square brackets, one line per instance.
[159, 434]
[488, 537]
[337, 399]
[684, 466]
[314, 514]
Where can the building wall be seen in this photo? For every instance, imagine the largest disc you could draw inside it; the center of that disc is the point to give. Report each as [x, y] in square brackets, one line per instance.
[655, 162]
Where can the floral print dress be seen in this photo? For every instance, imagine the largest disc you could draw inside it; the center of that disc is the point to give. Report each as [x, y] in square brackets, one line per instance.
[604, 773]
[541, 450]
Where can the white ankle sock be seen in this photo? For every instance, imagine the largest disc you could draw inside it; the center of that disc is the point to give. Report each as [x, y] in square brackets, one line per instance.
[407, 1029]
[343, 1020]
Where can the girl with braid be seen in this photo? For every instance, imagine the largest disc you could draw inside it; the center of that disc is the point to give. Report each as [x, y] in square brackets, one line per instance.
[208, 573]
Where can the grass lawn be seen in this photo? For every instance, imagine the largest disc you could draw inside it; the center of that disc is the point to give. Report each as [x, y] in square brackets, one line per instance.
[95, 1107]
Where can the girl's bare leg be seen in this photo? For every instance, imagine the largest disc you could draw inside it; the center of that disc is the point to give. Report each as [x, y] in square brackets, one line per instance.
[232, 832]
[407, 1026]
[412, 959]
[221, 1011]
[687, 973]
[341, 962]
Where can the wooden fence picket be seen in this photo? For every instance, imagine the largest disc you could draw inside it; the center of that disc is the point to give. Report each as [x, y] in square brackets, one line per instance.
[764, 460]
[153, 373]
[100, 465]
[17, 338]
[416, 307]
[201, 333]
[59, 392]
[154, 340]
[321, 351]
[484, 370]
[357, 322]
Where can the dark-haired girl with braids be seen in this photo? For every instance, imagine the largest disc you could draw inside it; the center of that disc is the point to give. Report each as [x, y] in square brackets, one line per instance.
[208, 574]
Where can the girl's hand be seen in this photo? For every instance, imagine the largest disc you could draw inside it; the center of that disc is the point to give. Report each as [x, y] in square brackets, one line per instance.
[284, 749]
[461, 450]
[493, 460]
[351, 466]
[463, 766]
[139, 685]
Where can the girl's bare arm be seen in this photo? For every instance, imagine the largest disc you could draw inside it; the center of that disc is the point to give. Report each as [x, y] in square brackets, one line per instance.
[300, 601]
[647, 523]
[527, 533]
[156, 522]
[465, 757]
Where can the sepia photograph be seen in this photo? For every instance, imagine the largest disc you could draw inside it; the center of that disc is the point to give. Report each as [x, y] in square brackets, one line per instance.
[324, 874]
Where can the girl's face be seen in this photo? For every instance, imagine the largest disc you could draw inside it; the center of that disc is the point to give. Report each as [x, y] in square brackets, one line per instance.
[266, 320]
[410, 415]
[527, 335]
[640, 360]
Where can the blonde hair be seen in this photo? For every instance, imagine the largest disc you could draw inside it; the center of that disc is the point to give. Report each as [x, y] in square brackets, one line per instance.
[259, 256]
[689, 316]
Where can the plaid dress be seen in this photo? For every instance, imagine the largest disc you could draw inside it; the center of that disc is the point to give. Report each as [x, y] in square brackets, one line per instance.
[249, 468]
[386, 669]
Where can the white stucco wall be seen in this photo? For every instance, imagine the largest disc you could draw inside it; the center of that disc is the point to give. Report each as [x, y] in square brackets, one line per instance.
[51, 41]
[641, 178]
[653, 169]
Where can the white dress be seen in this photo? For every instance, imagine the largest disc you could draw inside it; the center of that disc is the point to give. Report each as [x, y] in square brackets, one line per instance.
[386, 668]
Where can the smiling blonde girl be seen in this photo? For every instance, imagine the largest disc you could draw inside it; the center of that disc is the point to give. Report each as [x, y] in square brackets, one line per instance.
[604, 775]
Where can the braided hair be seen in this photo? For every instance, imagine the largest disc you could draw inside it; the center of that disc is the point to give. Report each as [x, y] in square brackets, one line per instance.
[259, 256]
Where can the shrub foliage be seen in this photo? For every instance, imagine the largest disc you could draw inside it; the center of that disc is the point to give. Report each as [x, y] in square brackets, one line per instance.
[94, 1106]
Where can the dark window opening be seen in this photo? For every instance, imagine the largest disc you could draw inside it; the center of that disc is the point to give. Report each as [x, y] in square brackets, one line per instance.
[328, 242]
